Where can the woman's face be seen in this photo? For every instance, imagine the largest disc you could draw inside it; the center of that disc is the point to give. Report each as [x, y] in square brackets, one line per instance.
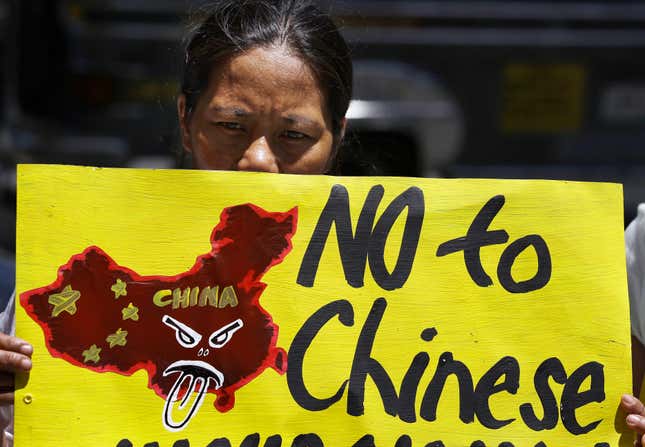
[262, 111]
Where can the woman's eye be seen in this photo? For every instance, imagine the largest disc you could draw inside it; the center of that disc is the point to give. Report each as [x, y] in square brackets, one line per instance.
[229, 125]
[294, 135]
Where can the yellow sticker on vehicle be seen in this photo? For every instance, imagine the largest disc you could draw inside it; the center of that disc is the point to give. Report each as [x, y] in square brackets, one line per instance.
[542, 98]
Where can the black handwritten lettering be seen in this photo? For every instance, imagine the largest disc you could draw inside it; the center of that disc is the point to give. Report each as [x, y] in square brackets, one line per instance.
[509, 368]
[409, 386]
[447, 366]
[573, 398]
[364, 365]
[369, 240]
[477, 237]
[252, 440]
[403, 441]
[412, 199]
[353, 248]
[219, 442]
[541, 277]
[428, 334]
[549, 368]
[365, 441]
[298, 349]
[273, 441]
[307, 440]
[473, 400]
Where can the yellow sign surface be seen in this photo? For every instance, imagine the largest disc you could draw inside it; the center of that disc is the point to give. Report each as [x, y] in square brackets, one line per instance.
[194, 308]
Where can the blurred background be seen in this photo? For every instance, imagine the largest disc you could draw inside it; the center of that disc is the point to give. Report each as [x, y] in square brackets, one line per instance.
[499, 89]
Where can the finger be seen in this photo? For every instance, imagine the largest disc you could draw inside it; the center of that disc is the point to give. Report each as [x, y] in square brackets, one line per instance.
[11, 343]
[6, 398]
[6, 381]
[13, 361]
[636, 423]
[631, 405]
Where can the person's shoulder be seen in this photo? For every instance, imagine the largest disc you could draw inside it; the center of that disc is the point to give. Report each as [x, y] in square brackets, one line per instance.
[635, 245]
[8, 316]
[640, 214]
[635, 232]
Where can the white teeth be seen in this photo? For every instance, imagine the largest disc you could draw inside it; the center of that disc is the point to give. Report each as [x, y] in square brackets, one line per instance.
[182, 365]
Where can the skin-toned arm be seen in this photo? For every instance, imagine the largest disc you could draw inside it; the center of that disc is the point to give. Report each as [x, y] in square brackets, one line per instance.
[638, 365]
[635, 254]
[15, 356]
[632, 406]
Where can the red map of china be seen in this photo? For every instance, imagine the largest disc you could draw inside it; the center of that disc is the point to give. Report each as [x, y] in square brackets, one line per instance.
[198, 332]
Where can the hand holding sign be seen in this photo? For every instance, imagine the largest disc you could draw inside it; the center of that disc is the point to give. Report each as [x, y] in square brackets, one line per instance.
[635, 416]
[15, 356]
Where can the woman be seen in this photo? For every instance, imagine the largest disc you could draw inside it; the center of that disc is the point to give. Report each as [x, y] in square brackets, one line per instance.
[265, 87]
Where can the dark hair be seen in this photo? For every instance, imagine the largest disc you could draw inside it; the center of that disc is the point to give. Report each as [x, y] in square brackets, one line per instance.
[228, 27]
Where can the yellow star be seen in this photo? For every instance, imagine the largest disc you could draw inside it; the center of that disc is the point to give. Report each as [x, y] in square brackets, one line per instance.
[92, 354]
[130, 313]
[119, 289]
[64, 301]
[118, 338]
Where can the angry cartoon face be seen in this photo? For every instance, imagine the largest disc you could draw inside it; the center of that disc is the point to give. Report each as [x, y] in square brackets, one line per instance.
[198, 332]
[194, 376]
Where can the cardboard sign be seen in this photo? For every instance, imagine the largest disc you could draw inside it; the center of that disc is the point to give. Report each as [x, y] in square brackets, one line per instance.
[193, 308]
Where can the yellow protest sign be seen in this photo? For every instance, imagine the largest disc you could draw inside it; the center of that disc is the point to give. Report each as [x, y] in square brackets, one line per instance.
[193, 308]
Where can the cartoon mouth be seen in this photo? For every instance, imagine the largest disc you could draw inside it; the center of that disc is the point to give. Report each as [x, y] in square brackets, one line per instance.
[198, 376]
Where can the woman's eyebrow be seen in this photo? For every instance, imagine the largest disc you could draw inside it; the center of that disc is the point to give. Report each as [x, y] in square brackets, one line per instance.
[230, 111]
[302, 120]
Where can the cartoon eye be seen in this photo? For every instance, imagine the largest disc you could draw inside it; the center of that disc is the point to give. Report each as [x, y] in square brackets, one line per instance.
[186, 336]
[223, 335]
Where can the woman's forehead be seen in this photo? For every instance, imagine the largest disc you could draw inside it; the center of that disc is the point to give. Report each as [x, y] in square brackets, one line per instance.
[264, 76]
